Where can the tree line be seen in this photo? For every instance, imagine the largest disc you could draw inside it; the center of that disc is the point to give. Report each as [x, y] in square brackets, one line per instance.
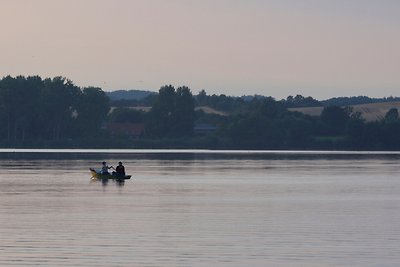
[264, 123]
[53, 111]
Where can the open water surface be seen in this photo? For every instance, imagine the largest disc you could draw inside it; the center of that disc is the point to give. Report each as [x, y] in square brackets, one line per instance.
[200, 209]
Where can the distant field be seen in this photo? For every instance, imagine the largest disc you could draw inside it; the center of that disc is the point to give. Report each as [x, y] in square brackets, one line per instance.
[370, 112]
[203, 108]
[211, 111]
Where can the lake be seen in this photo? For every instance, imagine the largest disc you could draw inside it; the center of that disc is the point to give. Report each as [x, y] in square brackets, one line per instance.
[200, 208]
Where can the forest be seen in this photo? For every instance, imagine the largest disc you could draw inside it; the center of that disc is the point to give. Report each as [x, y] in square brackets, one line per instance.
[56, 113]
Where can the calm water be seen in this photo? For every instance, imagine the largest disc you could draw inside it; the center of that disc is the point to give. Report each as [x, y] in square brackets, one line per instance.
[201, 209]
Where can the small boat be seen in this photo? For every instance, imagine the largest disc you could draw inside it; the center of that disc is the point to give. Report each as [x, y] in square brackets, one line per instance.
[98, 175]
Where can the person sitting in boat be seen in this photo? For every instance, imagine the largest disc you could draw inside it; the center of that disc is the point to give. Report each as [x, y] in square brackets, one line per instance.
[105, 168]
[120, 170]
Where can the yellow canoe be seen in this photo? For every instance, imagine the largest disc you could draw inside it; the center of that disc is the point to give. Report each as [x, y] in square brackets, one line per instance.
[100, 176]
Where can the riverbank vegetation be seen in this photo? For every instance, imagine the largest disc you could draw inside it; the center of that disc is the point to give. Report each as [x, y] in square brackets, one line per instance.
[55, 113]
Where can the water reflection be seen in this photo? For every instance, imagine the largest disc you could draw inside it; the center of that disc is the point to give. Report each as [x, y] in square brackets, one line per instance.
[218, 210]
[106, 182]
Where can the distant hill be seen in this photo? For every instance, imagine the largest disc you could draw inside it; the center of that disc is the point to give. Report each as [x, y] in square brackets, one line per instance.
[370, 112]
[291, 102]
[129, 94]
[299, 101]
[357, 100]
[372, 109]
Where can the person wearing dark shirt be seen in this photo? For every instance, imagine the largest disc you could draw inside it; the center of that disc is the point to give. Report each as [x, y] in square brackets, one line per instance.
[120, 170]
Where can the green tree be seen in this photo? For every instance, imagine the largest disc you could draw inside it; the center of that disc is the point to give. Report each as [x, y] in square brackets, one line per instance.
[19, 101]
[201, 98]
[28, 103]
[161, 114]
[259, 127]
[58, 100]
[183, 113]
[355, 132]
[298, 129]
[172, 114]
[392, 115]
[8, 99]
[92, 109]
[335, 119]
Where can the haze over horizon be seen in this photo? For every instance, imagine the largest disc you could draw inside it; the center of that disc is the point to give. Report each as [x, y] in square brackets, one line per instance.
[317, 48]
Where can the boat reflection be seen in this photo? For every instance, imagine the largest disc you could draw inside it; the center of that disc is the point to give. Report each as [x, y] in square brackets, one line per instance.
[106, 182]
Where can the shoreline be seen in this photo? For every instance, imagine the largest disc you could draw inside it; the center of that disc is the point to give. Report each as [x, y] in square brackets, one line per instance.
[199, 151]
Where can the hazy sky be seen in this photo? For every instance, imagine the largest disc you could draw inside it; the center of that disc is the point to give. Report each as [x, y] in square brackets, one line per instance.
[321, 48]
